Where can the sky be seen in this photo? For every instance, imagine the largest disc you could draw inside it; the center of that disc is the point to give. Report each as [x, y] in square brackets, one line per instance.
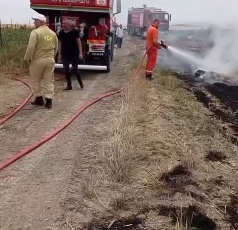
[182, 11]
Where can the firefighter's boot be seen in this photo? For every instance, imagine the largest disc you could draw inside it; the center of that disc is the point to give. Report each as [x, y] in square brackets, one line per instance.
[48, 103]
[38, 101]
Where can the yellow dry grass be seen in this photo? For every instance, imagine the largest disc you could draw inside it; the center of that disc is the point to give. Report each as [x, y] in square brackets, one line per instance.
[155, 128]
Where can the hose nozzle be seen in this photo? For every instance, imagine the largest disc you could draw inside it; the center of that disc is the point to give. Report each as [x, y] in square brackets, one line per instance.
[163, 45]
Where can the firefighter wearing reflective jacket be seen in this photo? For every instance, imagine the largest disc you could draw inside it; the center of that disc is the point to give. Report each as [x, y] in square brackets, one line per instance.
[41, 51]
[152, 46]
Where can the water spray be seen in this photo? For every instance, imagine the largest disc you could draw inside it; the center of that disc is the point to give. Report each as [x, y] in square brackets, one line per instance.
[199, 74]
[185, 55]
[194, 62]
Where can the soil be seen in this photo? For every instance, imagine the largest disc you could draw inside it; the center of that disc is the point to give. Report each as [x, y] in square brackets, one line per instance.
[127, 224]
[220, 95]
[37, 191]
[191, 216]
[179, 175]
[13, 93]
[221, 98]
[215, 155]
[217, 92]
[232, 211]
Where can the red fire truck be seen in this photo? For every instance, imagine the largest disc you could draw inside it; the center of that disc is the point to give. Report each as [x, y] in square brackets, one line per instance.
[139, 19]
[97, 18]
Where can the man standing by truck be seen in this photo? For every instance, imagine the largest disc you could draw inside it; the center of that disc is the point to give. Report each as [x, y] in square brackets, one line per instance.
[120, 35]
[41, 51]
[152, 46]
[70, 51]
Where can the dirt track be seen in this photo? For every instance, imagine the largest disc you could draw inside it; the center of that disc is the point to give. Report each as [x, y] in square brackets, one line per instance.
[37, 191]
[9, 100]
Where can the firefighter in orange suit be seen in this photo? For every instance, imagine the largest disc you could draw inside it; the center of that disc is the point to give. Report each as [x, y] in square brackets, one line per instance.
[152, 46]
[41, 51]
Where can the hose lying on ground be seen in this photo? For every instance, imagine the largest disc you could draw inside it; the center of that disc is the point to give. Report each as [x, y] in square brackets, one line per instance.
[11, 114]
[3, 120]
[34, 146]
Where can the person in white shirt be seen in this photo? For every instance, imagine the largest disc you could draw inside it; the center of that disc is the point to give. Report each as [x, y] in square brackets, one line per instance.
[120, 35]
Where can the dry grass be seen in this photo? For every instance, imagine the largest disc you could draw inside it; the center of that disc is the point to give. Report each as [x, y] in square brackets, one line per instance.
[153, 162]
[122, 151]
[17, 26]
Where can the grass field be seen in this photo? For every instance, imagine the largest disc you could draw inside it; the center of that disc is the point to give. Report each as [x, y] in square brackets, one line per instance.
[17, 26]
[14, 43]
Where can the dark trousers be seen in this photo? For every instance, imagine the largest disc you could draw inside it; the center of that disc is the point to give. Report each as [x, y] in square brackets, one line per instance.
[74, 61]
[119, 42]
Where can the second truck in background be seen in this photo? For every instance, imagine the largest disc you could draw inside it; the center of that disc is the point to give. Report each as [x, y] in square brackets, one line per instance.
[139, 20]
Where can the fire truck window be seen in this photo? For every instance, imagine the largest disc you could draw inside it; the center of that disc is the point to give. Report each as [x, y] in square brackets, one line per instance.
[159, 16]
[166, 17]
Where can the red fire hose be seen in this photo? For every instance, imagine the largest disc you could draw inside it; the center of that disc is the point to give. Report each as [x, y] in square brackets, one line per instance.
[7, 117]
[30, 148]
[21, 105]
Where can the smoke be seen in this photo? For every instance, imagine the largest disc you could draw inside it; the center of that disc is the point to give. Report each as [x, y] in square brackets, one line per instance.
[184, 53]
[216, 44]
[213, 48]
[222, 58]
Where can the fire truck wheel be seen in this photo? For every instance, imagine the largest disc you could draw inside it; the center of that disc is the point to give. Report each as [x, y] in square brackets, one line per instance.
[108, 64]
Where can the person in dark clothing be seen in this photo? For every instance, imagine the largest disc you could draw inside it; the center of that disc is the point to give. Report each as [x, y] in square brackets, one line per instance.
[70, 51]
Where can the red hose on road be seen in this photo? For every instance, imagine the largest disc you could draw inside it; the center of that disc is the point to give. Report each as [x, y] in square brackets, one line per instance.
[3, 120]
[58, 130]
[7, 117]
[59, 79]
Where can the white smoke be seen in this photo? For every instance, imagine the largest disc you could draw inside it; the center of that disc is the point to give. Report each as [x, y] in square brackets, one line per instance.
[223, 57]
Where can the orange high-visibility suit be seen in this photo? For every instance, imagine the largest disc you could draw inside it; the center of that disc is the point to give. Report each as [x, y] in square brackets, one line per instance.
[152, 50]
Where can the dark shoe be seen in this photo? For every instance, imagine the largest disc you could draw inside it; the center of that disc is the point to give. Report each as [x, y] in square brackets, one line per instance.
[48, 103]
[38, 101]
[68, 88]
[82, 86]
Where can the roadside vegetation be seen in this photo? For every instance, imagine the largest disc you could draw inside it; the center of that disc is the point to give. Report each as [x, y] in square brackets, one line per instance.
[13, 46]
[165, 163]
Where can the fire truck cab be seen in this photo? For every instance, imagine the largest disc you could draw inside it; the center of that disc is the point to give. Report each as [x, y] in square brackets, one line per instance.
[94, 21]
[139, 20]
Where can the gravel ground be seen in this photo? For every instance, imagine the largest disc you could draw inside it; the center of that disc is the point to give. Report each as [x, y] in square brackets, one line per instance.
[35, 190]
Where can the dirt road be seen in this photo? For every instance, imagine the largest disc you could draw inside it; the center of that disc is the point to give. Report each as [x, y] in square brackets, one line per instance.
[37, 190]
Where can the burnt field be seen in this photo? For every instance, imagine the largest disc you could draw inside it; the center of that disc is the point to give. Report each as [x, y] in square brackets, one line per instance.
[183, 174]
[217, 92]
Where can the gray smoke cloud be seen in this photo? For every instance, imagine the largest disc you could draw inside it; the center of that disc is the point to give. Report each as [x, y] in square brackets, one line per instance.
[213, 48]
[222, 57]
